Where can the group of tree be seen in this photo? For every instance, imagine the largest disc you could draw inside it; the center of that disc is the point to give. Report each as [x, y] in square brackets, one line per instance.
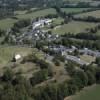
[80, 43]
[16, 87]
[4, 13]
[87, 19]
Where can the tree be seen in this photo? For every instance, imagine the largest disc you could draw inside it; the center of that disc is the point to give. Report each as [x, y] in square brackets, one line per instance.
[2, 33]
[70, 68]
[56, 62]
[98, 75]
[91, 78]
[39, 76]
[8, 75]
[80, 78]
[98, 61]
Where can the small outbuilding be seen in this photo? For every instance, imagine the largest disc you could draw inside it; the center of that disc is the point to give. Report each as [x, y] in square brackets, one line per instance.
[17, 57]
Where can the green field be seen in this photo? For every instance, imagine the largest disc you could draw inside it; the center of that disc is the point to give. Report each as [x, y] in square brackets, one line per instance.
[73, 10]
[91, 93]
[78, 0]
[73, 27]
[92, 13]
[7, 23]
[7, 52]
[20, 12]
[57, 21]
[38, 13]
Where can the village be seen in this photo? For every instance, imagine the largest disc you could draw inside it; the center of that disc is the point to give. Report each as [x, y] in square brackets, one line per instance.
[49, 50]
[37, 34]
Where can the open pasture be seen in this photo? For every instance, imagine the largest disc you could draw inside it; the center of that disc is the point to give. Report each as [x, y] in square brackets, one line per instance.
[92, 13]
[92, 93]
[7, 23]
[73, 27]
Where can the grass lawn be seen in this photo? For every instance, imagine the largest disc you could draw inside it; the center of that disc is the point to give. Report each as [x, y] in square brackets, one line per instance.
[91, 93]
[92, 13]
[74, 10]
[73, 27]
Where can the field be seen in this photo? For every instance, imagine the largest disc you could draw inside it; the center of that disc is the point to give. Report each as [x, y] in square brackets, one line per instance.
[73, 27]
[74, 10]
[92, 13]
[58, 21]
[92, 93]
[7, 23]
[88, 93]
[38, 13]
[6, 53]
[20, 12]
[87, 58]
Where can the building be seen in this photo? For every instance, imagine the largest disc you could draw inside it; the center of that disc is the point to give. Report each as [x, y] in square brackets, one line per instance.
[76, 59]
[17, 57]
[41, 23]
[90, 52]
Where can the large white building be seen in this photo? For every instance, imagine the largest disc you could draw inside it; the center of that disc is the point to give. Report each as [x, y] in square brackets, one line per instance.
[41, 23]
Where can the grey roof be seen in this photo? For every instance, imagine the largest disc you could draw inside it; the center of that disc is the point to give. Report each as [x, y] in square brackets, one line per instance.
[90, 52]
[76, 59]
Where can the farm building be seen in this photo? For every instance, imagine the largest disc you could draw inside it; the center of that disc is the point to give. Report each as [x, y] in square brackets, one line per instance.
[17, 57]
[41, 23]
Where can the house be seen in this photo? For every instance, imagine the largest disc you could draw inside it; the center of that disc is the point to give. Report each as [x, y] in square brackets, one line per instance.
[58, 49]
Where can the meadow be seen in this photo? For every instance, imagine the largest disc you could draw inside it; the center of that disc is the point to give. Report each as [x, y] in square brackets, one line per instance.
[7, 53]
[37, 13]
[92, 13]
[73, 27]
[7, 23]
[57, 21]
[91, 93]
